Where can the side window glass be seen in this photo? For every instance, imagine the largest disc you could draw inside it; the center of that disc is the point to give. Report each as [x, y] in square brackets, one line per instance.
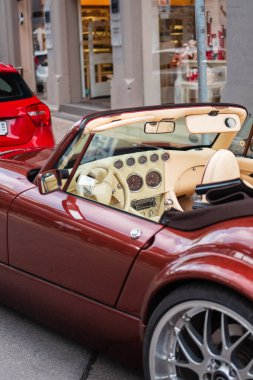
[12, 87]
[69, 157]
[122, 174]
[239, 143]
[100, 147]
[97, 178]
[5, 87]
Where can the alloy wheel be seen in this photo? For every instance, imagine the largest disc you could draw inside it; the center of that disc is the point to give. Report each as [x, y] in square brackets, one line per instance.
[201, 340]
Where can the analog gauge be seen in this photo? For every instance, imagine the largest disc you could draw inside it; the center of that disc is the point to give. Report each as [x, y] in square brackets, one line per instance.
[134, 182]
[165, 156]
[142, 160]
[153, 178]
[118, 164]
[154, 157]
[130, 161]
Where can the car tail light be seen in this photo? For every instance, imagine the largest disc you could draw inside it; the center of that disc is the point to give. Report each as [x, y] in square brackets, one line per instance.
[40, 115]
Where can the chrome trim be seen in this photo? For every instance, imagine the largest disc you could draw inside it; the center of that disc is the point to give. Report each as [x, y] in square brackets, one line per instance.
[135, 233]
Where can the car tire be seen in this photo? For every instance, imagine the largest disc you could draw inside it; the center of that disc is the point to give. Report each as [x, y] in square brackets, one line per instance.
[200, 331]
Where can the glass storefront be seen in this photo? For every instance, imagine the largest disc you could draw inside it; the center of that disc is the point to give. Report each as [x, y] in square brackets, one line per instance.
[39, 45]
[97, 49]
[178, 51]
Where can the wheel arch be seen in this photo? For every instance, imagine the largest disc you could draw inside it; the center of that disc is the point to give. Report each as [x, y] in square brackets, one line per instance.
[193, 327]
[236, 277]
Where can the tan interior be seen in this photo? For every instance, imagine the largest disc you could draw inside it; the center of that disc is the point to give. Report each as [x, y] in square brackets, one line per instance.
[179, 177]
[212, 124]
[246, 169]
[111, 121]
[180, 174]
[222, 166]
[119, 186]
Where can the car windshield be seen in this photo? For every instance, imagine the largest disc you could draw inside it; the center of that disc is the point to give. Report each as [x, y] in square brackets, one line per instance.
[179, 138]
[105, 145]
[12, 87]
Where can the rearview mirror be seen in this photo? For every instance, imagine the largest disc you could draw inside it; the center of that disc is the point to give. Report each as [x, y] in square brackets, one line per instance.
[156, 127]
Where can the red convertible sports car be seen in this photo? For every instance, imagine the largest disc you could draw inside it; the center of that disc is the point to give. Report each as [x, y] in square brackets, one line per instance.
[25, 122]
[135, 234]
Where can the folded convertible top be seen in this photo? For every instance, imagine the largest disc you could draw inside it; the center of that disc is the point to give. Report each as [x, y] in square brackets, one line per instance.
[204, 217]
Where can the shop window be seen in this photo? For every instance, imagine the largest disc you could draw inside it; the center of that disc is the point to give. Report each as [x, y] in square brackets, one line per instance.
[178, 50]
[39, 46]
[97, 50]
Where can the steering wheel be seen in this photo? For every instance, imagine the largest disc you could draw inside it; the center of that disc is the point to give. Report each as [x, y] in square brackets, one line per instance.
[96, 179]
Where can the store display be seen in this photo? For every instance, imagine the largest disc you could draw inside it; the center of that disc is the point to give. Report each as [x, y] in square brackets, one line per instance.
[97, 49]
[178, 51]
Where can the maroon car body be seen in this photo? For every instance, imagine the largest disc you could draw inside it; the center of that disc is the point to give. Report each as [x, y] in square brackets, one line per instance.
[72, 263]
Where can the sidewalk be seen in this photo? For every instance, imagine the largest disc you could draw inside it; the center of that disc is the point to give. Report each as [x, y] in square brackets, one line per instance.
[64, 117]
[60, 126]
[68, 114]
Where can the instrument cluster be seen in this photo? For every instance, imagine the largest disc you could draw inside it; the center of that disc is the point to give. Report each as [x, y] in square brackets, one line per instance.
[152, 179]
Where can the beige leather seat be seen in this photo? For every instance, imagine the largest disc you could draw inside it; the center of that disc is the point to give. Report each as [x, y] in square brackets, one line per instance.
[222, 166]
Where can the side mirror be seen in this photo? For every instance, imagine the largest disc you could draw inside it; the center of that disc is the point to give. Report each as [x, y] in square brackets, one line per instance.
[51, 180]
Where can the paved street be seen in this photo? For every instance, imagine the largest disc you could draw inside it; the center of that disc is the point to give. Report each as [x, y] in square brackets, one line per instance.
[29, 351]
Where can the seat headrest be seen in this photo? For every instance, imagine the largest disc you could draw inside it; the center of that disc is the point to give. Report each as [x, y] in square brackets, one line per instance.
[222, 166]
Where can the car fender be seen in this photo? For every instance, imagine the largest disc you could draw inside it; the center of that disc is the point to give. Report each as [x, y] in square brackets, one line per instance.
[13, 181]
[235, 271]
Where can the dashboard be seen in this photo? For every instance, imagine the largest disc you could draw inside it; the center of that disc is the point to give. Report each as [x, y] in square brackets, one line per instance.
[144, 174]
[148, 175]
[145, 171]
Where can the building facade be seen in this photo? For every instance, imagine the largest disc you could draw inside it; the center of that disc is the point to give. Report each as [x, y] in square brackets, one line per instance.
[130, 52]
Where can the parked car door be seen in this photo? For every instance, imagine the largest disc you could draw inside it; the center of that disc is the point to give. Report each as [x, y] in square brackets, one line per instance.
[76, 243]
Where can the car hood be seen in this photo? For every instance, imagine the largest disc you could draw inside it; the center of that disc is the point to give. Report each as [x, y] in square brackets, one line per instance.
[29, 158]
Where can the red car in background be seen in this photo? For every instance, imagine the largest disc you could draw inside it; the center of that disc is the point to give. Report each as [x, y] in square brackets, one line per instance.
[25, 122]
